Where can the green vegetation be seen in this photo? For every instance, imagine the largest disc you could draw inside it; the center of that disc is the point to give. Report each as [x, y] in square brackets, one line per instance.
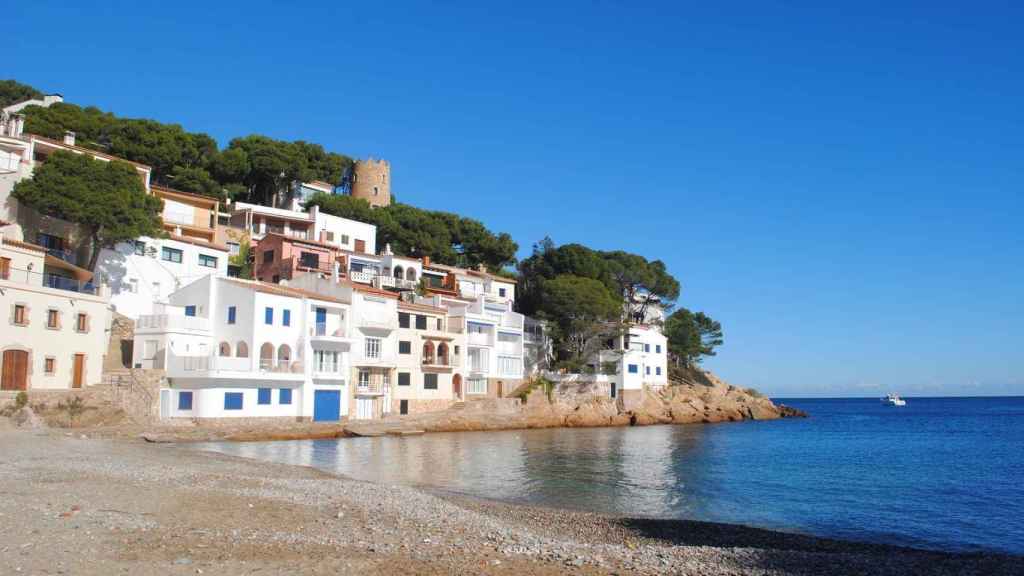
[538, 382]
[581, 292]
[445, 237]
[12, 92]
[73, 407]
[691, 336]
[107, 199]
[242, 259]
[252, 168]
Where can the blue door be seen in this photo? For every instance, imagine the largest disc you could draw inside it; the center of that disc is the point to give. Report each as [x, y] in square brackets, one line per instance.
[326, 405]
[321, 321]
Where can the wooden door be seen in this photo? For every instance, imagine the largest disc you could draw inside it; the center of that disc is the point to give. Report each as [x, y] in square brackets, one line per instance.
[79, 371]
[457, 386]
[15, 370]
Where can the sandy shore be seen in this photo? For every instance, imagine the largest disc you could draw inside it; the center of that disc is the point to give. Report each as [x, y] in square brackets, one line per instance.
[74, 505]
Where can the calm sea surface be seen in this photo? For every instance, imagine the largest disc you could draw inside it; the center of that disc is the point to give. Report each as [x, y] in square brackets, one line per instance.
[944, 473]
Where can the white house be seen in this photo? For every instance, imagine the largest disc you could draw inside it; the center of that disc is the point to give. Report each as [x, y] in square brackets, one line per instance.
[236, 348]
[55, 321]
[637, 358]
[429, 363]
[142, 273]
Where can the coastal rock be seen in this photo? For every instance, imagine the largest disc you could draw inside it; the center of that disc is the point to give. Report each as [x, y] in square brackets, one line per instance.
[27, 418]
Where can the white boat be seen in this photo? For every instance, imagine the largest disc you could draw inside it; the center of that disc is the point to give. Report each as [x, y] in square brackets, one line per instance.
[894, 400]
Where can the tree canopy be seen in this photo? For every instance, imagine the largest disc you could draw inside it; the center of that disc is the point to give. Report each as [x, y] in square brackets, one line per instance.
[445, 237]
[621, 273]
[584, 314]
[12, 92]
[108, 199]
[252, 168]
[691, 336]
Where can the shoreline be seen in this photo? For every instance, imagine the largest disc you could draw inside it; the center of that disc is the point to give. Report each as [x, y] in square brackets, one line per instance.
[99, 505]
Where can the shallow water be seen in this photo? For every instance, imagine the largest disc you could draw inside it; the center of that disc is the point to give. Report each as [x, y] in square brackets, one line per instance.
[944, 473]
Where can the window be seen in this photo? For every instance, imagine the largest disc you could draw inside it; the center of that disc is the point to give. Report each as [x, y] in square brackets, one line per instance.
[344, 238]
[430, 381]
[657, 348]
[268, 256]
[478, 360]
[171, 255]
[50, 365]
[140, 248]
[403, 378]
[284, 396]
[325, 360]
[234, 248]
[232, 400]
[268, 315]
[49, 241]
[309, 260]
[231, 315]
[52, 318]
[647, 370]
[373, 347]
[156, 289]
[184, 400]
[658, 370]
[364, 379]
[208, 261]
[509, 365]
[190, 310]
[263, 396]
[632, 369]
[5, 268]
[404, 347]
[647, 347]
[403, 319]
[82, 322]
[20, 315]
[421, 322]
[286, 318]
[440, 326]
[501, 292]
[476, 386]
[177, 212]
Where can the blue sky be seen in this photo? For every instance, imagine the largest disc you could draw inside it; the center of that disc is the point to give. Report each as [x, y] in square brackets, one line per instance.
[839, 183]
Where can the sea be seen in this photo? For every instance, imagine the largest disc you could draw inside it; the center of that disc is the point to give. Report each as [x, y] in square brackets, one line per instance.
[938, 473]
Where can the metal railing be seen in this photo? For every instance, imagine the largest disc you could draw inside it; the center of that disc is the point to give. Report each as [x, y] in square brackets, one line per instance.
[48, 280]
[320, 329]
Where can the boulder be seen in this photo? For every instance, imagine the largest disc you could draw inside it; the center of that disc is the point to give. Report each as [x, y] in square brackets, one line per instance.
[27, 418]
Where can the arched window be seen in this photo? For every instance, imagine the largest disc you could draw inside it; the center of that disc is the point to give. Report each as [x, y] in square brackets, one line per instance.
[242, 349]
[267, 356]
[284, 356]
[398, 272]
[442, 354]
[410, 274]
[224, 349]
[428, 352]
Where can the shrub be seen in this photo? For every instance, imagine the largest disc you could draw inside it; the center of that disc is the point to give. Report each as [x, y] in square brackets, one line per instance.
[74, 407]
[754, 393]
[21, 400]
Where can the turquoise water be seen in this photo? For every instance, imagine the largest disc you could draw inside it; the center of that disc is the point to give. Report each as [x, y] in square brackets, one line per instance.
[944, 473]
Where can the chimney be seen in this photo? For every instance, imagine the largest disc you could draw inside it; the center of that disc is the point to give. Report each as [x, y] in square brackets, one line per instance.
[69, 137]
[426, 261]
[334, 271]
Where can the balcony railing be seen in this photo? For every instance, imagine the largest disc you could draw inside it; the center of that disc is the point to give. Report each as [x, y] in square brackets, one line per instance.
[47, 280]
[320, 330]
[512, 320]
[362, 277]
[372, 387]
[479, 338]
[63, 254]
[280, 366]
[172, 321]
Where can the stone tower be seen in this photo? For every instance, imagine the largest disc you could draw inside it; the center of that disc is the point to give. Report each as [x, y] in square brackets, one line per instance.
[371, 181]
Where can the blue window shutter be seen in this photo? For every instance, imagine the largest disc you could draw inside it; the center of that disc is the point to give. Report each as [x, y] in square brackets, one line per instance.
[648, 370]
[284, 396]
[286, 318]
[632, 369]
[647, 347]
[232, 400]
[268, 315]
[231, 314]
[657, 348]
[190, 310]
[658, 369]
[263, 396]
[184, 400]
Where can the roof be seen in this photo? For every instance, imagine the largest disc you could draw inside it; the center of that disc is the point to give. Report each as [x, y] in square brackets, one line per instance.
[280, 290]
[301, 240]
[197, 242]
[403, 305]
[191, 195]
[26, 245]
[84, 150]
[471, 272]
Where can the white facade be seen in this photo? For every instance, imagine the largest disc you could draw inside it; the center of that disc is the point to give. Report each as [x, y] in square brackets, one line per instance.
[429, 359]
[640, 358]
[144, 272]
[55, 330]
[234, 348]
[344, 233]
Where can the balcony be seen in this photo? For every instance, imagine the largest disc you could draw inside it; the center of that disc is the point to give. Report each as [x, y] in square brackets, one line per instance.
[362, 277]
[215, 367]
[512, 320]
[323, 336]
[47, 280]
[479, 338]
[439, 363]
[166, 322]
[372, 388]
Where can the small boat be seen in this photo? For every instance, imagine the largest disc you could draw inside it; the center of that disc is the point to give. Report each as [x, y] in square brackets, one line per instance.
[894, 400]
